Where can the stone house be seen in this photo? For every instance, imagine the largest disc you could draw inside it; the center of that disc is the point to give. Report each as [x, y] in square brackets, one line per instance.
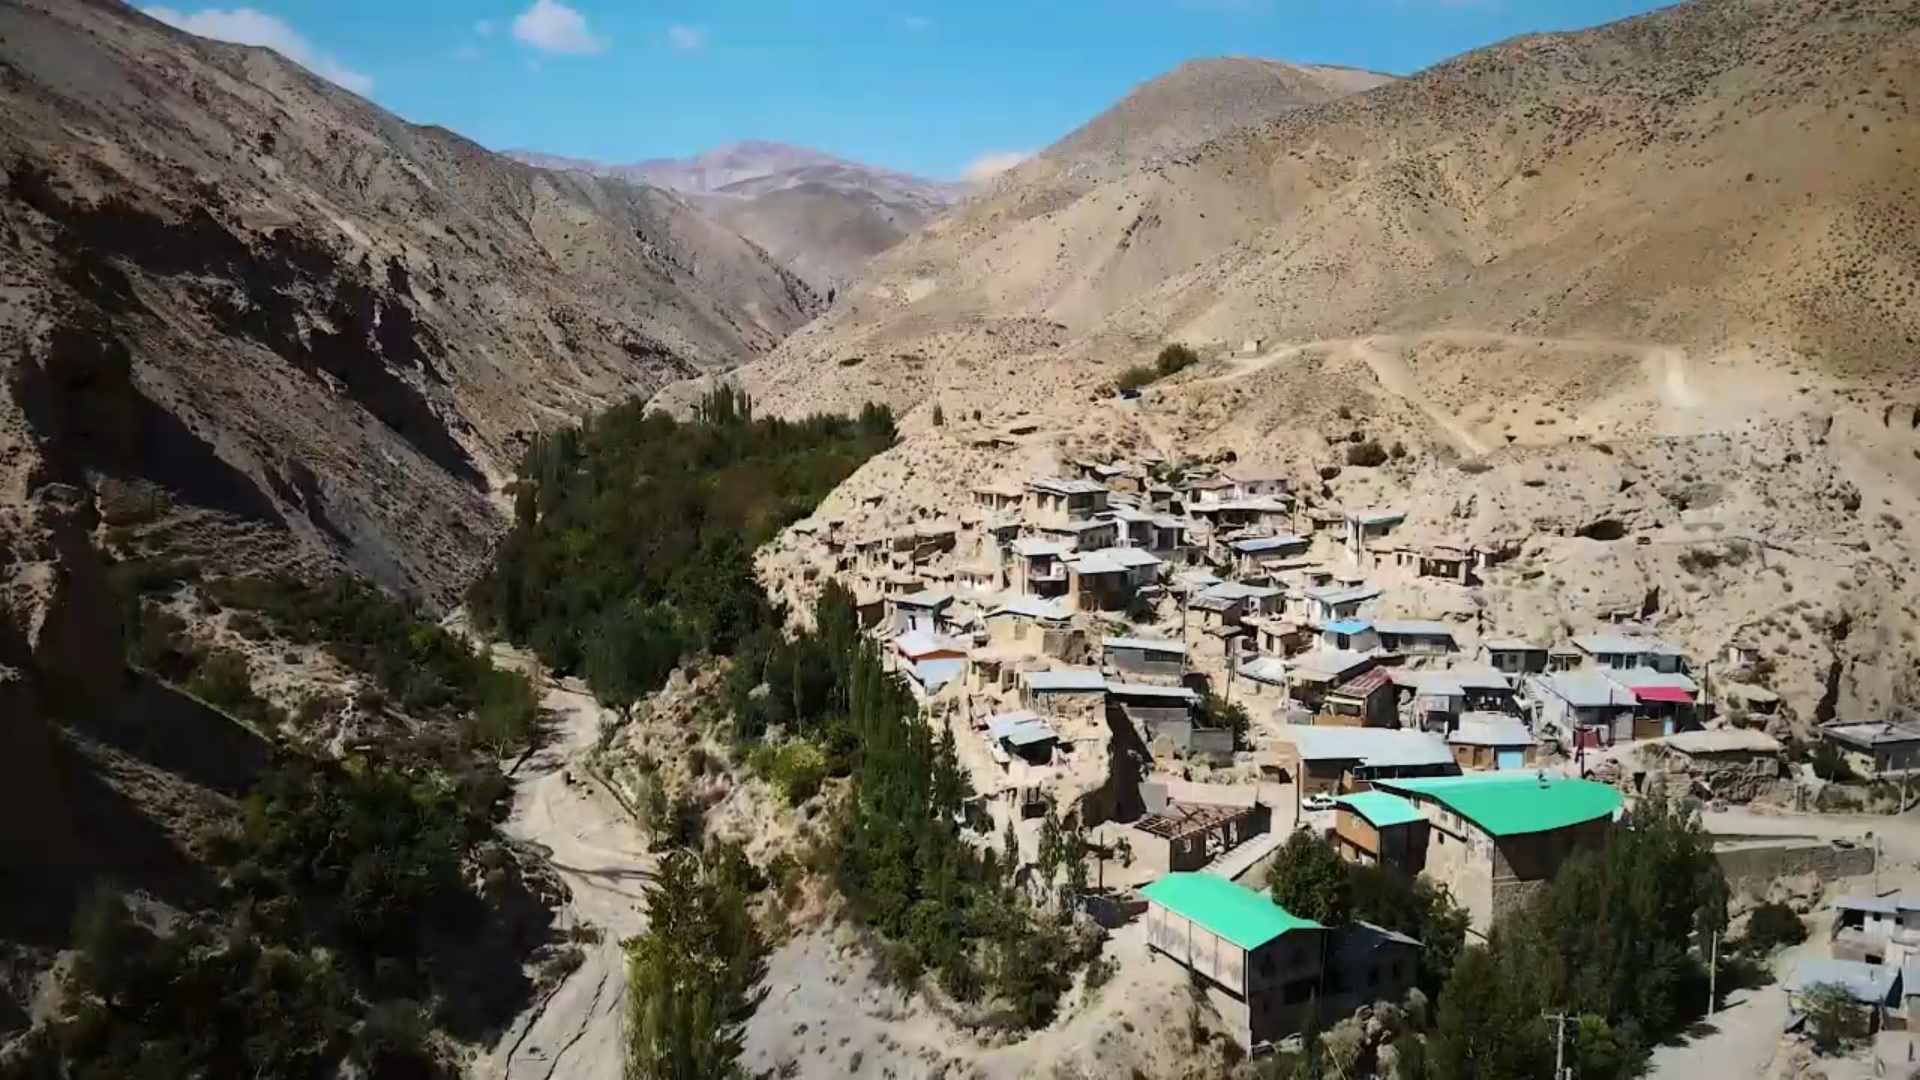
[1416, 637]
[1054, 501]
[1876, 748]
[1153, 658]
[1514, 656]
[1495, 838]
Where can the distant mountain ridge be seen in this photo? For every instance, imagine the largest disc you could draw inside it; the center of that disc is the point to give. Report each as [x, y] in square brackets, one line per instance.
[821, 216]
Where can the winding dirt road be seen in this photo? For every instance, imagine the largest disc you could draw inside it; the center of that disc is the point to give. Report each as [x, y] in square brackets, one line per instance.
[576, 1031]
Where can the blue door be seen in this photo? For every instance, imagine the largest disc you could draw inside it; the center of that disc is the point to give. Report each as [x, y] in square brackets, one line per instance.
[1510, 759]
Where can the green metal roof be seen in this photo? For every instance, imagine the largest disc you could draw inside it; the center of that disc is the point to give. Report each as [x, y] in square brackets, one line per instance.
[1380, 808]
[1515, 803]
[1242, 916]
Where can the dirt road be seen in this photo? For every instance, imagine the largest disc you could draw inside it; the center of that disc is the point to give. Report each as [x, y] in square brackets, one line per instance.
[576, 1032]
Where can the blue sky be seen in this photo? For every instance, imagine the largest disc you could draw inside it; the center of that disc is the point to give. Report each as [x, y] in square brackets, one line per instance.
[926, 86]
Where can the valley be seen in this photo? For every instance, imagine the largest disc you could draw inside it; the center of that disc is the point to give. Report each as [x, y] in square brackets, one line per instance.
[1236, 593]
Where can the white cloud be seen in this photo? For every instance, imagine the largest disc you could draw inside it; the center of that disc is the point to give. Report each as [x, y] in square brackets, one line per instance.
[988, 166]
[553, 27]
[484, 28]
[686, 38]
[245, 26]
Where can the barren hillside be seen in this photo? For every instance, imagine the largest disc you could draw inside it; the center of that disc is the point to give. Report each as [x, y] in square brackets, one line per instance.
[291, 313]
[817, 215]
[1650, 179]
[1637, 302]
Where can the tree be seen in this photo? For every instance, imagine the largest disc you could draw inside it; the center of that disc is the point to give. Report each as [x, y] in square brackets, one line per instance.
[1835, 1022]
[939, 416]
[1310, 880]
[1771, 926]
[1488, 1027]
[1217, 712]
[694, 976]
[1830, 764]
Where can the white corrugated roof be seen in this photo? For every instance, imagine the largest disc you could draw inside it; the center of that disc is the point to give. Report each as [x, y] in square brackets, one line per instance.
[1491, 732]
[1369, 746]
[1028, 547]
[1160, 645]
[1413, 628]
[1119, 689]
[1724, 740]
[1032, 607]
[1067, 680]
[1584, 689]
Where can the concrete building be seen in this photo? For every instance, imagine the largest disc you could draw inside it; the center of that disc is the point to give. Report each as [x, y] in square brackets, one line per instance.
[1622, 651]
[1261, 964]
[1187, 826]
[1495, 838]
[1876, 748]
[1028, 621]
[1513, 656]
[1338, 760]
[1378, 828]
[1416, 637]
[924, 611]
[1253, 556]
[1150, 658]
[1367, 964]
[1874, 928]
[1054, 501]
[1258, 482]
[1327, 604]
[1255, 600]
[1039, 567]
[1582, 708]
[1665, 702]
[1091, 535]
[1362, 527]
[1492, 741]
[1875, 988]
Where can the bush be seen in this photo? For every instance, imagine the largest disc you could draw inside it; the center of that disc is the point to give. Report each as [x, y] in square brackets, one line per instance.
[1135, 378]
[1175, 358]
[1366, 454]
[1774, 925]
[1830, 764]
[939, 417]
[797, 767]
[1835, 1023]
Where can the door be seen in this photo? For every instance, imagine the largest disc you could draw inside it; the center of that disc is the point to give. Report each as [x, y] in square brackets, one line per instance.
[1510, 759]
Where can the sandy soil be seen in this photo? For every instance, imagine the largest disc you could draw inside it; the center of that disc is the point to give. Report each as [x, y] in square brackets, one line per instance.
[576, 1031]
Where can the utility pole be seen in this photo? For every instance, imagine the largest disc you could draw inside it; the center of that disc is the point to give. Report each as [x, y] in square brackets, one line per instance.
[1713, 974]
[1559, 1021]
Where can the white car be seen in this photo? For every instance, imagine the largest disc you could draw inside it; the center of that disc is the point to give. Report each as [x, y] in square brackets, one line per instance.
[1317, 802]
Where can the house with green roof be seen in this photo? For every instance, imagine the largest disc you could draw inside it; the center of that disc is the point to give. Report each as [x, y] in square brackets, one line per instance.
[1379, 827]
[1262, 964]
[1495, 838]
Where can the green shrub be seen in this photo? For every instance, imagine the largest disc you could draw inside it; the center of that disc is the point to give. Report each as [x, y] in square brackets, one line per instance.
[1175, 358]
[1366, 454]
[797, 767]
[1773, 925]
[1134, 378]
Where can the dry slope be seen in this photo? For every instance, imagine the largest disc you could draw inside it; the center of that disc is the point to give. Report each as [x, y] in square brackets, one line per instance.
[294, 314]
[1715, 174]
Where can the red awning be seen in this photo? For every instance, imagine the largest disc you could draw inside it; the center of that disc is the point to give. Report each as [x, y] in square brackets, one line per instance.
[1670, 694]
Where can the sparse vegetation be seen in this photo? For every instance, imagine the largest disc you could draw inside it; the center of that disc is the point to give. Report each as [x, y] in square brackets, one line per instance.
[1773, 925]
[1366, 454]
[1835, 1022]
[1172, 360]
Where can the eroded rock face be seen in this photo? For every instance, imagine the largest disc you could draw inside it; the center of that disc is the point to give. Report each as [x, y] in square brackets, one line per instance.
[321, 334]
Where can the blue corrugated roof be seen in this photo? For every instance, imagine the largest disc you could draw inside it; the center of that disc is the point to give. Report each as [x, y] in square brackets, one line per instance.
[1348, 626]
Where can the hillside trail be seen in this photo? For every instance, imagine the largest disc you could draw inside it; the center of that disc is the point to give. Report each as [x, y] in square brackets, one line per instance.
[576, 1031]
[1396, 378]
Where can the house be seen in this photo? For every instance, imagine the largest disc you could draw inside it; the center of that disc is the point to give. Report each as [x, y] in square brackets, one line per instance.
[1337, 760]
[1251, 556]
[1664, 702]
[1255, 600]
[1133, 527]
[1515, 656]
[1326, 604]
[1024, 735]
[1742, 654]
[1261, 964]
[998, 498]
[1583, 708]
[1268, 514]
[1039, 567]
[1277, 637]
[1316, 671]
[1089, 535]
[1485, 690]
[1028, 620]
[1495, 837]
[1165, 715]
[1258, 482]
[1144, 657]
[916, 645]
[1364, 526]
[1623, 651]
[1354, 634]
[1066, 693]
[1055, 501]
[1876, 748]
[1415, 637]
[1367, 700]
[1733, 763]
[1188, 825]
[1492, 741]
[1871, 928]
[1375, 827]
[1108, 580]
[1564, 658]
[1875, 988]
[1436, 698]
[924, 611]
[1367, 964]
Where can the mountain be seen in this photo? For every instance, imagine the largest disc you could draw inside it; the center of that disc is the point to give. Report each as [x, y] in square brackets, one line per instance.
[816, 214]
[299, 318]
[1633, 302]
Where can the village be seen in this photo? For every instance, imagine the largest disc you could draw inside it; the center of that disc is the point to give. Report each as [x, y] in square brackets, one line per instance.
[1193, 665]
